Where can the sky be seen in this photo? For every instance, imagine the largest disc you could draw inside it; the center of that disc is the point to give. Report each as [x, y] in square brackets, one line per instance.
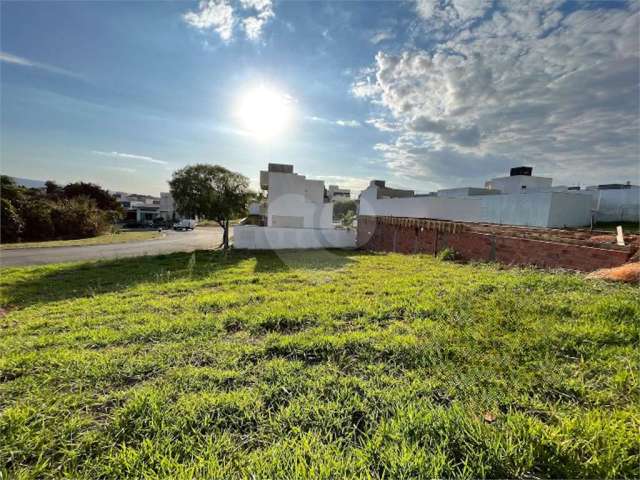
[426, 95]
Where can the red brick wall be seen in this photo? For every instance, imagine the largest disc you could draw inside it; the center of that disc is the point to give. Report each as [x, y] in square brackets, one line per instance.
[384, 237]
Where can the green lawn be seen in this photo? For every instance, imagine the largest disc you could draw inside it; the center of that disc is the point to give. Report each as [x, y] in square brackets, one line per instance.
[122, 237]
[315, 365]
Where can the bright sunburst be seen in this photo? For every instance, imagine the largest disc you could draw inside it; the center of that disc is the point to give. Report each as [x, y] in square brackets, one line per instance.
[265, 112]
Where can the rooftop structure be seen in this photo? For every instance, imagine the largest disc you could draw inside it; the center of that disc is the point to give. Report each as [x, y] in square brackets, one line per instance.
[337, 194]
[519, 181]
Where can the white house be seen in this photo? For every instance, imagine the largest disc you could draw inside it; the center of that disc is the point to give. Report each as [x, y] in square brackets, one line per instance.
[525, 201]
[293, 201]
[297, 214]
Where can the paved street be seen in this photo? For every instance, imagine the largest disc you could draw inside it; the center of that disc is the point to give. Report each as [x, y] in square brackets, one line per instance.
[198, 239]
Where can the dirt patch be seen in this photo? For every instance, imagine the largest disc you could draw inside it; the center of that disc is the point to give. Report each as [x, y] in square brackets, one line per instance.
[629, 272]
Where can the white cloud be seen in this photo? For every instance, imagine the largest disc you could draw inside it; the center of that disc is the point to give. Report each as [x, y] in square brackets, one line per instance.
[381, 36]
[129, 156]
[341, 123]
[383, 124]
[348, 123]
[221, 17]
[15, 60]
[355, 184]
[523, 83]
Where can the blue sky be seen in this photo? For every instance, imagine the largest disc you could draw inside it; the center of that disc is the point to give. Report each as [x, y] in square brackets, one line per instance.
[425, 94]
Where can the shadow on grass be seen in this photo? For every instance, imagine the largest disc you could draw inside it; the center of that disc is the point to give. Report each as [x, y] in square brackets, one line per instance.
[50, 283]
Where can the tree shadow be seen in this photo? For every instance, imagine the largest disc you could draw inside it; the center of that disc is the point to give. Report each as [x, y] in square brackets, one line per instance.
[52, 283]
[284, 260]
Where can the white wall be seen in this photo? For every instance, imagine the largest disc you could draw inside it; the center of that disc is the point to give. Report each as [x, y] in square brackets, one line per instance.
[273, 238]
[515, 183]
[465, 192]
[616, 205]
[541, 209]
[570, 209]
[292, 195]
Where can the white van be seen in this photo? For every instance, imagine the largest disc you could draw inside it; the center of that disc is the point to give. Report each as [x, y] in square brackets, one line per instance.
[185, 224]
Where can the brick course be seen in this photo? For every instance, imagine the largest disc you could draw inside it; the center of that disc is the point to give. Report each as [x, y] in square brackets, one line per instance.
[426, 236]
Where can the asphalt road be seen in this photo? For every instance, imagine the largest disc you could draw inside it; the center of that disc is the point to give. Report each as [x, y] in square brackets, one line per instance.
[198, 239]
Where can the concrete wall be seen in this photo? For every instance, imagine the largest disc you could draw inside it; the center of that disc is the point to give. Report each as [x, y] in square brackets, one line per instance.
[515, 184]
[542, 209]
[273, 238]
[292, 195]
[465, 192]
[616, 205]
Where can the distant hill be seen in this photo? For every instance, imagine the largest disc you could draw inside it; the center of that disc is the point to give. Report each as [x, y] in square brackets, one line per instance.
[26, 182]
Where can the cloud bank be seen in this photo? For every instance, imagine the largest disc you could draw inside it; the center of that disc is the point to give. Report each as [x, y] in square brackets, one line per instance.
[509, 84]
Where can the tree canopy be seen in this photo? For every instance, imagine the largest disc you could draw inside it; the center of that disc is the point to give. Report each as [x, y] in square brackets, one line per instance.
[211, 192]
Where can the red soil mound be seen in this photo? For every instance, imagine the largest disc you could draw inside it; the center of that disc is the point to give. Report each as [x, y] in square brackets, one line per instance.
[629, 272]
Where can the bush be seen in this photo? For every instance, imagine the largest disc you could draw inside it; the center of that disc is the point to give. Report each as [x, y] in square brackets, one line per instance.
[38, 225]
[11, 224]
[447, 254]
[79, 217]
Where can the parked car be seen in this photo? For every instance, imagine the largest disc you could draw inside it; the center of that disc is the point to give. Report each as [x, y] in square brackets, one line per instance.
[186, 224]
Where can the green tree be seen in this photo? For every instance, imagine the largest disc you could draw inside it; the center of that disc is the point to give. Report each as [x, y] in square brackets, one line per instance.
[104, 200]
[211, 192]
[341, 208]
[9, 190]
[54, 191]
[79, 217]
[38, 225]
[11, 225]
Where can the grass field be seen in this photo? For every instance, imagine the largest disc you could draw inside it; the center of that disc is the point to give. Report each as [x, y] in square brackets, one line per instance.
[110, 238]
[315, 365]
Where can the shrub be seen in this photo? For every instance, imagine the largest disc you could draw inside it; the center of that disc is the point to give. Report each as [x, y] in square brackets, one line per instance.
[11, 224]
[104, 200]
[79, 217]
[447, 254]
[38, 224]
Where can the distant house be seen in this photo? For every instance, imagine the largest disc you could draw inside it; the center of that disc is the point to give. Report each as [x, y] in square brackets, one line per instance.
[337, 194]
[139, 208]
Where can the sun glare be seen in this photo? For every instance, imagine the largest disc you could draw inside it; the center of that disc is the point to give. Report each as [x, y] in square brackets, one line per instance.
[264, 112]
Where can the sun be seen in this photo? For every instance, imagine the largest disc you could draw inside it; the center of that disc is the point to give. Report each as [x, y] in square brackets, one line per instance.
[264, 112]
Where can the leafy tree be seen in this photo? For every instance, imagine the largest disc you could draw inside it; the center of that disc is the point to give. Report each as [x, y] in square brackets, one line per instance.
[347, 219]
[11, 225]
[36, 213]
[211, 192]
[9, 190]
[53, 189]
[79, 217]
[104, 200]
[341, 208]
